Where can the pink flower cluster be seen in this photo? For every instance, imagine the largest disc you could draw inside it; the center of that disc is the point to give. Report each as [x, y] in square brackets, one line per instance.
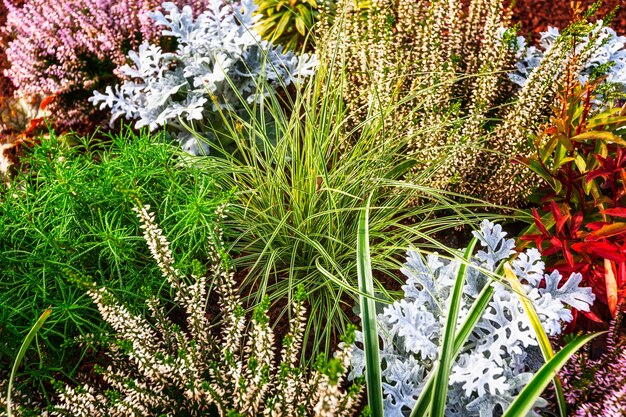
[73, 46]
[596, 387]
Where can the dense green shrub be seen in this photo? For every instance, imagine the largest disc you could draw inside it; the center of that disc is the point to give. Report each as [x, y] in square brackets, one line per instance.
[71, 213]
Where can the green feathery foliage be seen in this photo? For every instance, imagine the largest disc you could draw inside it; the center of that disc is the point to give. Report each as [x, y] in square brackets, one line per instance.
[71, 211]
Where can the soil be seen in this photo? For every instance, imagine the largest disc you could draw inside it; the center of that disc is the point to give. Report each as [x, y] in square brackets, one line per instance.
[534, 16]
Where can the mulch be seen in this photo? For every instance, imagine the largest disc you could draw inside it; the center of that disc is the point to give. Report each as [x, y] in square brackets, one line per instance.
[534, 16]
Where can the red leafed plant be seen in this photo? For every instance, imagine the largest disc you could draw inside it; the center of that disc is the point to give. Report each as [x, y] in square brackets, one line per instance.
[581, 156]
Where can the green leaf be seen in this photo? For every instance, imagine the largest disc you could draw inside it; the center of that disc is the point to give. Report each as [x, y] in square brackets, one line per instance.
[548, 148]
[282, 25]
[524, 402]
[423, 403]
[566, 142]
[448, 351]
[300, 27]
[538, 169]
[542, 337]
[373, 376]
[602, 135]
[22, 352]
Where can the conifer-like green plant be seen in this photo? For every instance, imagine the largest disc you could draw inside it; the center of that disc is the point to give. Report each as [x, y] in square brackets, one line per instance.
[70, 210]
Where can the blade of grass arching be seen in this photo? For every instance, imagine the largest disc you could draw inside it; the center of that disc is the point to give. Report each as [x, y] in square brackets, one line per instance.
[373, 376]
[447, 352]
[342, 284]
[22, 352]
[524, 402]
[542, 337]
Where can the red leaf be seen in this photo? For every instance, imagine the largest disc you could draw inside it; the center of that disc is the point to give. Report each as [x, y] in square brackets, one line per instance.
[46, 101]
[617, 211]
[558, 216]
[592, 316]
[596, 225]
[568, 255]
[539, 223]
[577, 221]
[34, 124]
[608, 230]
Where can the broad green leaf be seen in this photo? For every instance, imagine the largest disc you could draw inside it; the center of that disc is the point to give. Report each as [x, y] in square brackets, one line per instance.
[580, 163]
[542, 337]
[602, 135]
[548, 148]
[373, 376]
[447, 350]
[282, 25]
[566, 142]
[300, 27]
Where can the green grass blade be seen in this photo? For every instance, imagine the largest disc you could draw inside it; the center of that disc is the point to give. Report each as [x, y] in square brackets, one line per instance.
[448, 352]
[542, 337]
[524, 402]
[22, 352]
[421, 407]
[373, 377]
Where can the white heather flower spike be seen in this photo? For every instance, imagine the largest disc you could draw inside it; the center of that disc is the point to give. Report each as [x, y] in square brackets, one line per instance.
[157, 367]
[500, 355]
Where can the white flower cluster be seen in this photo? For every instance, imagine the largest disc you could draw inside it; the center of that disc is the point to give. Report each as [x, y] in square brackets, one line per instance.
[158, 367]
[501, 354]
[219, 60]
[608, 48]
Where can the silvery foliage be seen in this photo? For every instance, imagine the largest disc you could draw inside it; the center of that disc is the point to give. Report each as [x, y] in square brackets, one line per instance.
[609, 47]
[219, 57]
[501, 354]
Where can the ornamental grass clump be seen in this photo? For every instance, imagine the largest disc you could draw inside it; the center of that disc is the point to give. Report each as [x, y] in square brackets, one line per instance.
[218, 64]
[448, 67]
[295, 214]
[500, 354]
[158, 368]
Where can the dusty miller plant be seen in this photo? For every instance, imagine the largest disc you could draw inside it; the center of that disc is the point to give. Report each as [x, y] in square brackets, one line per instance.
[500, 356]
[608, 57]
[157, 368]
[219, 64]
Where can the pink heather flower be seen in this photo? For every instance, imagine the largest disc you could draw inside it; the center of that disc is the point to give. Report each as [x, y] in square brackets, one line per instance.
[597, 387]
[66, 47]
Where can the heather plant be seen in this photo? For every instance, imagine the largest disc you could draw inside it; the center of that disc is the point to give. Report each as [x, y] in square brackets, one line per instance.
[71, 47]
[596, 386]
[219, 58]
[70, 210]
[448, 67]
[607, 57]
[157, 368]
[579, 155]
[500, 353]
